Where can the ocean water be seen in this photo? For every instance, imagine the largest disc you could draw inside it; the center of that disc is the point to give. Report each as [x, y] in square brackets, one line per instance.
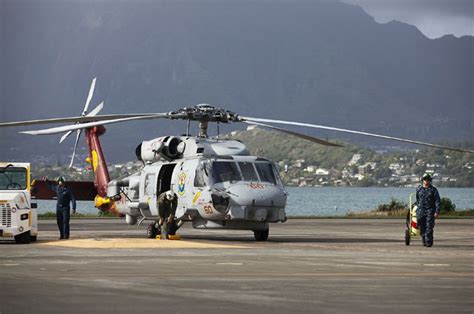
[327, 201]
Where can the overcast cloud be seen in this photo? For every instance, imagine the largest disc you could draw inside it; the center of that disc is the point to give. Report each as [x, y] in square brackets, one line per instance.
[434, 18]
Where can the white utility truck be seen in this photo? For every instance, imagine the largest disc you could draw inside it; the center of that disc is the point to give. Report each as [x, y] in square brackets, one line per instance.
[18, 216]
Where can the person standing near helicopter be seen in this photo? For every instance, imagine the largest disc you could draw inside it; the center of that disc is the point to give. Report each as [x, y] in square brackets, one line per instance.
[64, 197]
[167, 203]
[428, 207]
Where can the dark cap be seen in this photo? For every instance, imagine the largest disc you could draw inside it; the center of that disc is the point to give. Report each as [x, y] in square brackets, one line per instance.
[426, 176]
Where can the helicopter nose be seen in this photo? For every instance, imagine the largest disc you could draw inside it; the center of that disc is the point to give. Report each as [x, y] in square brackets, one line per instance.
[256, 202]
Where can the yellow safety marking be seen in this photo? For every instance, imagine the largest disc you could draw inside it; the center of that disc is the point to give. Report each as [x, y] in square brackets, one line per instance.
[1, 202]
[95, 160]
[125, 243]
[196, 197]
[29, 218]
[28, 178]
[170, 237]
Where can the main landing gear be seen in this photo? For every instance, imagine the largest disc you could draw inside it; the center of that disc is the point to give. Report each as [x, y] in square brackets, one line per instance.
[261, 235]
[154, 229]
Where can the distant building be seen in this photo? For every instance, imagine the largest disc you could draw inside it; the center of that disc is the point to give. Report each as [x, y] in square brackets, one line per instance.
[251, 127]
[354, 160]
[322, 172]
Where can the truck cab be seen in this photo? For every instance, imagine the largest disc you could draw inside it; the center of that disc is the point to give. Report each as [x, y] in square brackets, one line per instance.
[18, 216]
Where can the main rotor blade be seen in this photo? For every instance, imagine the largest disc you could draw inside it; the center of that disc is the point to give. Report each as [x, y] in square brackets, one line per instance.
[77, 119]
[92, 124]
[89, 97]
[316, 126]
[96, 110]
[64, 137]
[75, 147]
[304, 136]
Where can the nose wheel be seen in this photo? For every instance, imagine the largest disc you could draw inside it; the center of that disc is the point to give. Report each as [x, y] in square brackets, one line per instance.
[261, 235]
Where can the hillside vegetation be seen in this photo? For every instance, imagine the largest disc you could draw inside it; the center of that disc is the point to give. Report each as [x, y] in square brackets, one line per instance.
[399, 168]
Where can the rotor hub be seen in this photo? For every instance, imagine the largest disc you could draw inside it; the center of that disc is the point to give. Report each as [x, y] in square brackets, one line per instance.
[205, 113]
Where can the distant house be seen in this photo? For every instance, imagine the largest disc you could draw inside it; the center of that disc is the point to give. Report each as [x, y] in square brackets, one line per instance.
[366, 168]
[251, 127]
[354, 160]
[322, 172]
[299, 163]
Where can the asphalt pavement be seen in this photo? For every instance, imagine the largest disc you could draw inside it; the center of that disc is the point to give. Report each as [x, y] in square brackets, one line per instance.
[306, 266]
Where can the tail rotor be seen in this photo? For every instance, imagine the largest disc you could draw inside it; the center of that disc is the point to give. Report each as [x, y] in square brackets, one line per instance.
[84, 113]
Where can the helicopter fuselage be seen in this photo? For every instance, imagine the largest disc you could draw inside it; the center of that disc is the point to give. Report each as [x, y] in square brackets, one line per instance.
[218, 184]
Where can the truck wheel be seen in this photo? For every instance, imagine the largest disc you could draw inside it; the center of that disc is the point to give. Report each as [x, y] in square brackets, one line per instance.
[23, 238]
[261, 235]
[407, 237]
[151, 231]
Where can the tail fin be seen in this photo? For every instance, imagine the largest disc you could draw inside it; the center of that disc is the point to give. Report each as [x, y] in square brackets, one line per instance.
[99, 167]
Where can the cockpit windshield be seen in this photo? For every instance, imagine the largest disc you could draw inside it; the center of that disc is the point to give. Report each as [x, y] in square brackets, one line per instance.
[265, 172]
[248, 171]
[223, 171]
[230, 171]
[13, 178]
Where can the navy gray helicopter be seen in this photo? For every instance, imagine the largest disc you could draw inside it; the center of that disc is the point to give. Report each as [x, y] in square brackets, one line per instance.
[219, 184]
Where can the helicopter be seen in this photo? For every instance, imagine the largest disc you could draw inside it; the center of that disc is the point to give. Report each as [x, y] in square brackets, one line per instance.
[218, 183]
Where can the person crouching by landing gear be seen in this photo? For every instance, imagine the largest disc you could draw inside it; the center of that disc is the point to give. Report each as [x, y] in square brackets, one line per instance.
[428, 202]
[64, 196]
[167, 203]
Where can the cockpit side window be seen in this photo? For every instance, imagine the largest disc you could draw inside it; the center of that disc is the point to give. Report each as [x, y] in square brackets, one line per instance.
[265, 171]
[223, 171]
[201, 179]
[248, 171]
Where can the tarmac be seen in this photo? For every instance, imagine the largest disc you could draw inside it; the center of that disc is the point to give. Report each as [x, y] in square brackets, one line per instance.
[306, 266]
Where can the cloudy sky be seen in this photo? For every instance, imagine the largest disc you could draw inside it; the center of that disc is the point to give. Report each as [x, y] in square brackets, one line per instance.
[434, 18]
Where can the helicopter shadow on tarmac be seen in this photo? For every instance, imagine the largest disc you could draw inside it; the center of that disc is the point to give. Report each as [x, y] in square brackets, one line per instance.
[288, 239]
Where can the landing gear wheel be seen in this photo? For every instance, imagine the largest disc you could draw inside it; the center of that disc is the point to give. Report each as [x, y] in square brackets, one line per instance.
[261, 235]
[152, 231]
[407, 237]
[23, 238]
[172, 228]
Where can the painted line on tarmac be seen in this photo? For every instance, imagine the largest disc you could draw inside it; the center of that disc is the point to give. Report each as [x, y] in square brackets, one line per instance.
[127, 243]
[332, 274]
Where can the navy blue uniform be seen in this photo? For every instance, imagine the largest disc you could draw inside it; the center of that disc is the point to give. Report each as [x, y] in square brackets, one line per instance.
[428, 203]
[64, 198]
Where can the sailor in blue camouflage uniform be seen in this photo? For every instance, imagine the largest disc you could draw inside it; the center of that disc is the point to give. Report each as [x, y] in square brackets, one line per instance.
[428, 206]
[64, 197]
